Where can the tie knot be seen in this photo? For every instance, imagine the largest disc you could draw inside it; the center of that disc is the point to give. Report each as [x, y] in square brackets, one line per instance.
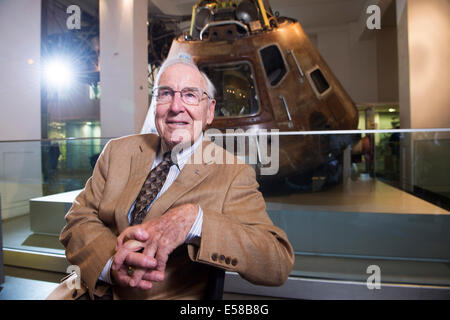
[167, 158]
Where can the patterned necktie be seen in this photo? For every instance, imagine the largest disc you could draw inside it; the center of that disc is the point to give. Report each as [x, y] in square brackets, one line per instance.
[150, 189]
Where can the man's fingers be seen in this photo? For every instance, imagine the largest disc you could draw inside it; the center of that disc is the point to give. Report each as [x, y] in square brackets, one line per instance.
[145, 282]
[119, 258]
[149, 254]
[143, 279]
[162, 261]
[137, 276]
[166, 244]
[121, 276]
[150, 249]
[121, 239]
[132, 233]
[145, 285]
[154, 276]
[139, 260]
[122, 253]
[162, 256]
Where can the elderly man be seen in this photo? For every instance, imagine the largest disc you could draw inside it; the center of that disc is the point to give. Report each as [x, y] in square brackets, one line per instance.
[152, 219]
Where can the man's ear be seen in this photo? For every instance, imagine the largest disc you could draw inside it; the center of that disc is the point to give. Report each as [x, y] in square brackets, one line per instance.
[210, 115]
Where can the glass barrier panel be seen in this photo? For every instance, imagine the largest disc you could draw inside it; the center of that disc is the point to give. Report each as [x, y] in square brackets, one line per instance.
[347, 201]
[38, 182]
[350, 203]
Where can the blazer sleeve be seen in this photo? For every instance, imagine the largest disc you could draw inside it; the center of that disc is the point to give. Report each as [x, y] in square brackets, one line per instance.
[242, 238]
[88, 242]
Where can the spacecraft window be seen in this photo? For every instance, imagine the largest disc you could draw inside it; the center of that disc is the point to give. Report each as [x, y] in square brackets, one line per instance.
[273, 64]
[236, 90]
[319, 80]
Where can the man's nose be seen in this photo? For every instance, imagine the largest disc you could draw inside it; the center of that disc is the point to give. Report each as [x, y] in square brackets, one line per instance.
[177, 103]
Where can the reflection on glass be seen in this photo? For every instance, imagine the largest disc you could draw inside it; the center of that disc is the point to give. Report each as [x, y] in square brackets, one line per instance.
[392, 213]
[67, 164]
[236, 94]
[38, 183]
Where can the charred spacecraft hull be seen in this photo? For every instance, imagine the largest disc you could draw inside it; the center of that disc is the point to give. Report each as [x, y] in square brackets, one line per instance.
[274, 79]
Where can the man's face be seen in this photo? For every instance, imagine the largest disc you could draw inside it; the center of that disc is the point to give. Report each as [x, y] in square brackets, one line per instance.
[177, 121]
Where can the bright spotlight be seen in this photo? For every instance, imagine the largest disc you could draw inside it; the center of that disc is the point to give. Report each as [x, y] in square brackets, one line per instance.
[58, 73]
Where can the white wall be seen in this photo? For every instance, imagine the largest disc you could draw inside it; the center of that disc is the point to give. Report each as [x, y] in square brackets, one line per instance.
[424, 61]
[20, 107]
[20, 38]
[387, 61]
[353, 61]
[123, 66]
[429, 57]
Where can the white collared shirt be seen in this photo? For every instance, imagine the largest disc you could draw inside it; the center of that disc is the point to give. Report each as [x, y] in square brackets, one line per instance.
[182, 158]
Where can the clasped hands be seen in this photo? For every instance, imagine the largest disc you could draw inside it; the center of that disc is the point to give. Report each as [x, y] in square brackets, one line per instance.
[145, 248]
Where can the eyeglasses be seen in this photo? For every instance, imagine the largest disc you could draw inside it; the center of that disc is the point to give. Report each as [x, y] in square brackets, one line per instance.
[191, 96]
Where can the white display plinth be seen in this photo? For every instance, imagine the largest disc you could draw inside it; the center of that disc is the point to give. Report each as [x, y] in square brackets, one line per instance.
[47, 213]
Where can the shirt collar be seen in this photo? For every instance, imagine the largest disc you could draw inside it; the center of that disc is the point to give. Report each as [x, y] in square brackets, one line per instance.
[183, 155]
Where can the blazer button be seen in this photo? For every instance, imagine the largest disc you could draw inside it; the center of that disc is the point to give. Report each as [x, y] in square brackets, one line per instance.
[214, 256]
[227, 260]
[234, 262]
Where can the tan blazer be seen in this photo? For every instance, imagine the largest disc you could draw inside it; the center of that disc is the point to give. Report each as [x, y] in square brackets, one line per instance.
[237, 233]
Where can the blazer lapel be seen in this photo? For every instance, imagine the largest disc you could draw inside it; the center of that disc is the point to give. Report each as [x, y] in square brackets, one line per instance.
[141, 163]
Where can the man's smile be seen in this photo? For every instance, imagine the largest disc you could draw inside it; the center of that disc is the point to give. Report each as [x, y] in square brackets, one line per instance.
[176, 123]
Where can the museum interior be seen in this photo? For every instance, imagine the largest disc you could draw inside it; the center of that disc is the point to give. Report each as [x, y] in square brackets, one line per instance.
[342, 107]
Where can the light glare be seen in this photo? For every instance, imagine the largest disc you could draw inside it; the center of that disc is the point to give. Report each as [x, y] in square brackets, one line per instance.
[58, 74]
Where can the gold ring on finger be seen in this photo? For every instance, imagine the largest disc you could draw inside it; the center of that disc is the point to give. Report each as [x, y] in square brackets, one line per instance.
[130, 271]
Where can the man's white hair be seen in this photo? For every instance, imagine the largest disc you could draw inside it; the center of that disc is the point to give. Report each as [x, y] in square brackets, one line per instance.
[182, 58]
